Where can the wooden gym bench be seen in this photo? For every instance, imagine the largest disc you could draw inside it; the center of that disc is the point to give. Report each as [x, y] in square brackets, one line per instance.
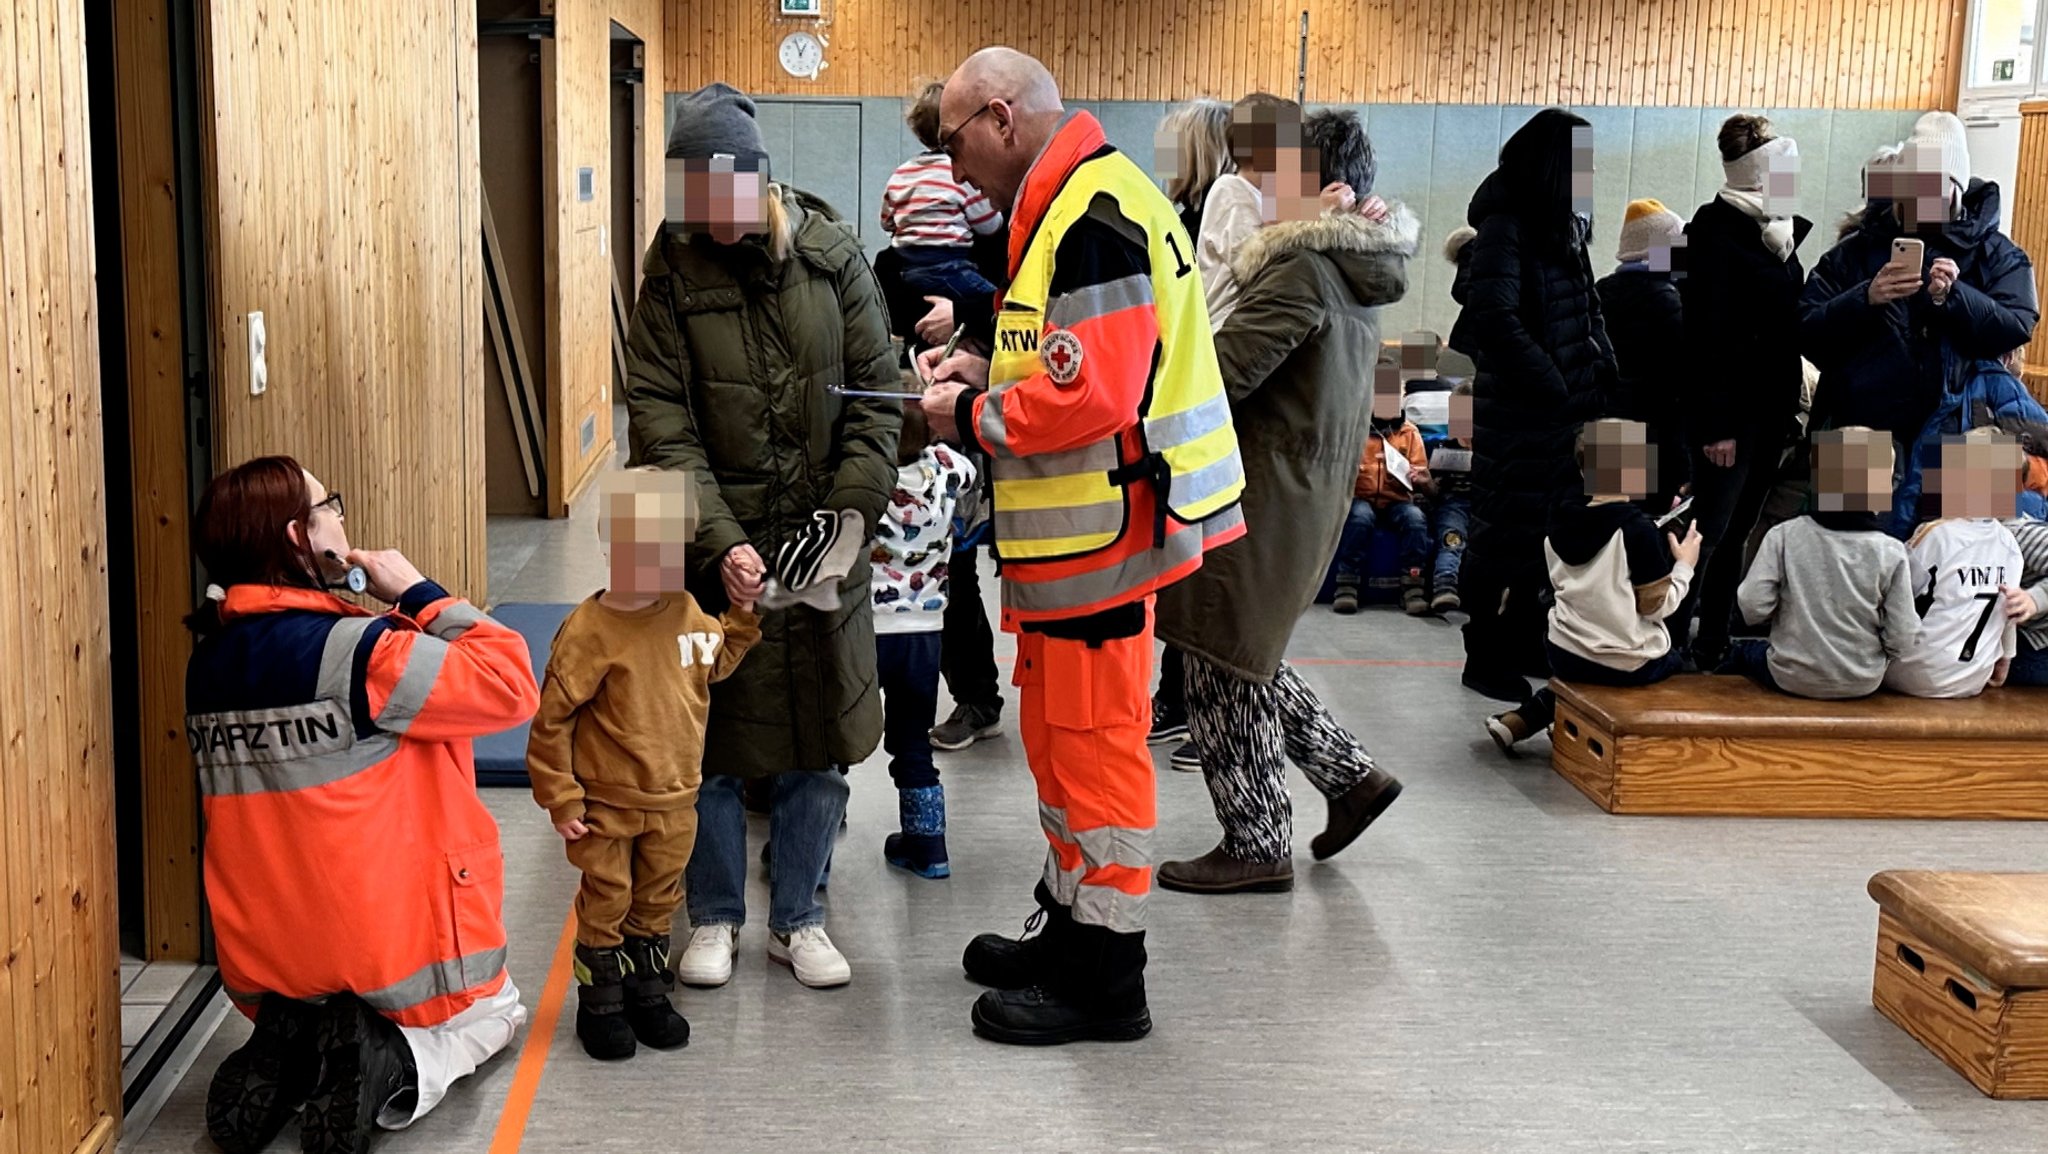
[1726, 746]
[1962, 966]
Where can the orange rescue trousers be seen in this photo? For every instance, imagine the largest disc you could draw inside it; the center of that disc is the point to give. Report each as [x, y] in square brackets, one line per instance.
[1085, 710]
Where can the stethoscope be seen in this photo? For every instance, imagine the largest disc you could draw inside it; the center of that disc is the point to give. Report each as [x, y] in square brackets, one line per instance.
[353, 578]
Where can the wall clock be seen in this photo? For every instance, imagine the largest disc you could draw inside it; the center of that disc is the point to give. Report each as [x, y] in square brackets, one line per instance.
[802, 54]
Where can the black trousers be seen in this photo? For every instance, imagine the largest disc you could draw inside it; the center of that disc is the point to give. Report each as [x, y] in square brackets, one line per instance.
[967, 648]
[1729, 502]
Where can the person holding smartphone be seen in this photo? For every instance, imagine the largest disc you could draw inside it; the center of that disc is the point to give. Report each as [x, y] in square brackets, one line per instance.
[1922, 285]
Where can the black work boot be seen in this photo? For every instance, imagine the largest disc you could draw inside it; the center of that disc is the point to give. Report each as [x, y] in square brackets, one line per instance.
[1017, 963]
[259, 1087]
[649, 1011]
[1096, 994]
[601, 1022]
[366, 1068]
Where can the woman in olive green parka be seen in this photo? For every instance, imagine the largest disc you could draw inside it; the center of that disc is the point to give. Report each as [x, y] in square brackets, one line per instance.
[741, 331]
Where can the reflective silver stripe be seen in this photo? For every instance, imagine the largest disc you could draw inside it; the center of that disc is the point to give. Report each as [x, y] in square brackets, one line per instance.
[1102, 518]
[1053, 821]
[438, 979]
[993, 434]
[1098, 457]
[228, 779]
[409, 696]
[1110, 908]
[270, 736]
[1188, 425]
[1063, 883]
[1223, 521]
[1207, 481]
[1069, 309]
[455, 620]
[1101, 584]
[1115, 845]
[338, 657]
[245, 997]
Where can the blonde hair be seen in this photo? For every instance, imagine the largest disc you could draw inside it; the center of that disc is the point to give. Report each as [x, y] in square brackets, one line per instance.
[781, 229]
[1200, 131]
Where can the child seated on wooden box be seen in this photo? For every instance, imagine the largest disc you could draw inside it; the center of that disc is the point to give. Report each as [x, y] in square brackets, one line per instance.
[1616, 574]
[1961, 564]
[1833, 585]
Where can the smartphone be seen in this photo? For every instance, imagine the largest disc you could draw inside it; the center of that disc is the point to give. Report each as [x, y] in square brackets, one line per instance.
[1909, 252]
[1677, 511]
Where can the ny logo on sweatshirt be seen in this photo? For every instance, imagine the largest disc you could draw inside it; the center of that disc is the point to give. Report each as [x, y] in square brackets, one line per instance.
[698, 648]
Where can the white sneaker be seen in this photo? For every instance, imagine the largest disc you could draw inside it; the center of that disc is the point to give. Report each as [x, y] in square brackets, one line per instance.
[811, 956]
[707, 961]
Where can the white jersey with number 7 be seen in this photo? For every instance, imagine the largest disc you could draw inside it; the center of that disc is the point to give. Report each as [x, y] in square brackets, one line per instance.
[1958, 567]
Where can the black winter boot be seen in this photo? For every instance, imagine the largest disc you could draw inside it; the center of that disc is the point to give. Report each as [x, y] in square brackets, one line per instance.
[649, 1011]
[259, 1087]
[601, 1023]
[1096, 994]
[1018, 963]
[367, 1068]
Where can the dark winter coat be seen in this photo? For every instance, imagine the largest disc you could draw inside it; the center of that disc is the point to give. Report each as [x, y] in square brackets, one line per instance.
[1532, 325]
[1297, 357]
[729, 361]
[1888, 366]
[1741, 350]
[1990, 395]
[1646, 322]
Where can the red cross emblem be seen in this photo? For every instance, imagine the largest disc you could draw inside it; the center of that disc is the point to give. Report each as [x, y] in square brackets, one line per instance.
[1061, 352]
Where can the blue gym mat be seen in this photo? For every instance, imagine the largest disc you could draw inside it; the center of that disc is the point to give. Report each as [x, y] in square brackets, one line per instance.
[501, 757]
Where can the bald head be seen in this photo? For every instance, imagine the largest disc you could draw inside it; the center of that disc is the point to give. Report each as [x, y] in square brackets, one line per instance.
[1009, 75]
[999, 110]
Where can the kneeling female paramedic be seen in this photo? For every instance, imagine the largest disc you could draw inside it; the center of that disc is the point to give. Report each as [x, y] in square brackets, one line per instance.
[354, 877]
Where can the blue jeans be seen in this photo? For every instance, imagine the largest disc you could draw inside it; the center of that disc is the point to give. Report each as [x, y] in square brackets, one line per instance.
[1568, 666]
[1451, 521]
[1354, 548]
[803, 819]
[933, 270]
[1750, 656]
[907, 665]
[2029, 667]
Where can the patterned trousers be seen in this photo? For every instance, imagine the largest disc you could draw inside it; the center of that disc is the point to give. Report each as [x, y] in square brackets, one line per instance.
[1246, 733]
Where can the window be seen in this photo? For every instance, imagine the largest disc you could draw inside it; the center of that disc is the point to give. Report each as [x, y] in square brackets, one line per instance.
[2003, 35]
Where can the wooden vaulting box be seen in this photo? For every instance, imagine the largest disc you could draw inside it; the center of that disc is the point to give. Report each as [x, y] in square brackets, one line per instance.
[1962, 966]
[1725, 746]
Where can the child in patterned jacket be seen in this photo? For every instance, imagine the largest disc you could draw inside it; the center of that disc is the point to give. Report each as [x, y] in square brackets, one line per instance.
[913, 543]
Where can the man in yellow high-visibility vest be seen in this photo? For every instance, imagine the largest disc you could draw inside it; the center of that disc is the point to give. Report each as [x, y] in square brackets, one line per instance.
[1116, 468]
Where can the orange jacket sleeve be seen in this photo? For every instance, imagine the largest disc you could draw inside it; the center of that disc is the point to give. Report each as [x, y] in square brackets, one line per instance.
[1101, 294]
[458, 675]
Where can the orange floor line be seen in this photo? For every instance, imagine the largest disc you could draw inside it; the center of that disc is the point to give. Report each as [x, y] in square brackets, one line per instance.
[540, 1037]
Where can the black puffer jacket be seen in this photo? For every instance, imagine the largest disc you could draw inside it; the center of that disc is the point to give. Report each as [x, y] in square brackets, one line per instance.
[1532, 325]
[1645, 321]
[1741, 350]
[1887, 366]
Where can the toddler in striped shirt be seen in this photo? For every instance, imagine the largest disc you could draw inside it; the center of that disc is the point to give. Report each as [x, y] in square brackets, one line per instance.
[934, 218]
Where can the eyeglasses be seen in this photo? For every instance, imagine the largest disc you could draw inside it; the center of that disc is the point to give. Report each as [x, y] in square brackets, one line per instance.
[946, 142]
[333, 502]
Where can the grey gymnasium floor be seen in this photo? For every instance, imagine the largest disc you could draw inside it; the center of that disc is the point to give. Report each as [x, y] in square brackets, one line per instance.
[1495, 966]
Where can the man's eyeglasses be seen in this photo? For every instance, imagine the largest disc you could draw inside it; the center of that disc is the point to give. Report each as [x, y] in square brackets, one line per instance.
[946, 142]
[333, 502]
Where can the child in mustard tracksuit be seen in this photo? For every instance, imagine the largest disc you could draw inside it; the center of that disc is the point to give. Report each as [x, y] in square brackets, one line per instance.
[616, 756]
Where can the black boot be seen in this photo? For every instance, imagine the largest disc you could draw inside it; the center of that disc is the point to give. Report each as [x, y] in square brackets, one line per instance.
[259, 1087]
[601, 1023]
[1018, 963]
[1097, 994]
[367, 1068]
[649, 1011]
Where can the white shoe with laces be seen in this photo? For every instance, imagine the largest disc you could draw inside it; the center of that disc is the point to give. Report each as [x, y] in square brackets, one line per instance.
[811, 956]
[707, 960]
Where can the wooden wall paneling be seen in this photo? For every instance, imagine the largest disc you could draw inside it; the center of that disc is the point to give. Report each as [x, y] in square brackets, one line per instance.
[60, 1064]
[352, 242]
[160, 527]
[2030, 223]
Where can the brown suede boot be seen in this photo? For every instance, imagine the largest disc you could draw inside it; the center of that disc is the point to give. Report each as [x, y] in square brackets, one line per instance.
[1216, 872]
[1353, 810]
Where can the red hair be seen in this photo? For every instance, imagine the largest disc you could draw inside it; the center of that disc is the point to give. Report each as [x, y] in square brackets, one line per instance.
[241, 530]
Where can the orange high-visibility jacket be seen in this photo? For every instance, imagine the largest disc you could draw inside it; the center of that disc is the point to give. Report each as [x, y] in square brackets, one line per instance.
[346, 847]
[1114, 458]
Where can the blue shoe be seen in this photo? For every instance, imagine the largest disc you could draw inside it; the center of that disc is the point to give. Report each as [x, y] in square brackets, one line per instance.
[916, 854]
